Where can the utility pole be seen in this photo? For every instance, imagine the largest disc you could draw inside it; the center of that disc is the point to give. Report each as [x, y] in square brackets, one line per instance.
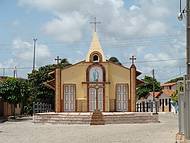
[187, 91]
[153, 89]
[34, 55]
[153, 86]
[186, 101]
[3, 71]
[15, 72]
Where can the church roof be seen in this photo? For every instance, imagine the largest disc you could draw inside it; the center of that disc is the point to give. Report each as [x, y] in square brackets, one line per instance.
[137, 72]
[95, 47]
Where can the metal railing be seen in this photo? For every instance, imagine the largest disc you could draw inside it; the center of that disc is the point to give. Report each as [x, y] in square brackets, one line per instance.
[39, 107]
[147, 107]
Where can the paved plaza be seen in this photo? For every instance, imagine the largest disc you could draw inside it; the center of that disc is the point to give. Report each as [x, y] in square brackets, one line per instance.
[24, 131]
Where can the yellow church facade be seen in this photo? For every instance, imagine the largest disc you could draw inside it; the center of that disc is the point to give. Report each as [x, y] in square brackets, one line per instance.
[79, 86]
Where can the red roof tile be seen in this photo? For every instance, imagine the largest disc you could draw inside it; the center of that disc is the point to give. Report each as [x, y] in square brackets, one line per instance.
[156, 94]
[168, 92]
[168, 84]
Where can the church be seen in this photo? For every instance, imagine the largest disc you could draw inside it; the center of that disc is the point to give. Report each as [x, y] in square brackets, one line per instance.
[95, 83]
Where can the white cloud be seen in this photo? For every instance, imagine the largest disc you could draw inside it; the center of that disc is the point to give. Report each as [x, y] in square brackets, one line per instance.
[66, 28]
[1, 65]
[167, 60]
[54, 5]
[144, 18]
[156, 28]
[71, 17]
[134, 8]
[22, 56]
[23, 52]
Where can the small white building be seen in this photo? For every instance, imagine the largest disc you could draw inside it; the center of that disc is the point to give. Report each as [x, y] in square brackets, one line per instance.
[165, 101]
[163, 98]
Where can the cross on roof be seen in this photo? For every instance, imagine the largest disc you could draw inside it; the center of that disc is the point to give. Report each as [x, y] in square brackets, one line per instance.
[57, 59]
[133, 59]
[95, 23]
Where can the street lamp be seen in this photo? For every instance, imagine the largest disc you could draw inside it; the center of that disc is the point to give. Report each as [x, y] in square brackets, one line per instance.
[187, 77]
[181, 13]
[180, 16]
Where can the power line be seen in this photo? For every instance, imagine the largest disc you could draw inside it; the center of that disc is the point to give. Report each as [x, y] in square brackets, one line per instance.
[12, 68]
[150, 61]
[172, 77]
[114, 39]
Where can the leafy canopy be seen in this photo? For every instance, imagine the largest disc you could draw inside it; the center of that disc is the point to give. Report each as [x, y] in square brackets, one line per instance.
[147, 87]
[175, 79]
[40, 92]
[114, 60]
[12, 90]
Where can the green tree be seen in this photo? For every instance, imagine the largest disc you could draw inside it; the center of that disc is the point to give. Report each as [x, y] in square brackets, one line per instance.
[179, 88]
[13, 90]
[114, 60]
[25, 88]
[175, 79]
[144, 89]
[40, 92]
[174, 96]
[64, 63]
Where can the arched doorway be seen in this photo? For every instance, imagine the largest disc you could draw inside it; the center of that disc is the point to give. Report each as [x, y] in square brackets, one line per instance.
[96, 72]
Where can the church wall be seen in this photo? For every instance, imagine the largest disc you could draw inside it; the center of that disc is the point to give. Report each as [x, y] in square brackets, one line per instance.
[76, 75]
[117, 74]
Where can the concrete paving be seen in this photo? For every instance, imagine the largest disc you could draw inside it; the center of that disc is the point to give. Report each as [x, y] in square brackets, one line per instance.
[24, 131]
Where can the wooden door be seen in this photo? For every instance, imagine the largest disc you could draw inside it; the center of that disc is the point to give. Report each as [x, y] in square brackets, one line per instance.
[92, 99]
[69, 98]
[121, 97]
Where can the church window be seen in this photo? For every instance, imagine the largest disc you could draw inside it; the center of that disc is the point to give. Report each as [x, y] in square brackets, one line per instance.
[95, 58]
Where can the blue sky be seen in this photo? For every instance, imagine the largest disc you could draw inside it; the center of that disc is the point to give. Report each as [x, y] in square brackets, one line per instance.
[147, 29]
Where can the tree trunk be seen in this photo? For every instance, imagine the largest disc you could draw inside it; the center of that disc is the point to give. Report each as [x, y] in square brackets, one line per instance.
[14, 111]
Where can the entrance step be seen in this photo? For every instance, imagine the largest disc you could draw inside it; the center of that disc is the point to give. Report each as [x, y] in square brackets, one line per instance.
[86, 118]
[97, 118]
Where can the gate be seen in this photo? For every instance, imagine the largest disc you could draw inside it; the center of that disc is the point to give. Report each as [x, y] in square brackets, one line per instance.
[41, 107]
